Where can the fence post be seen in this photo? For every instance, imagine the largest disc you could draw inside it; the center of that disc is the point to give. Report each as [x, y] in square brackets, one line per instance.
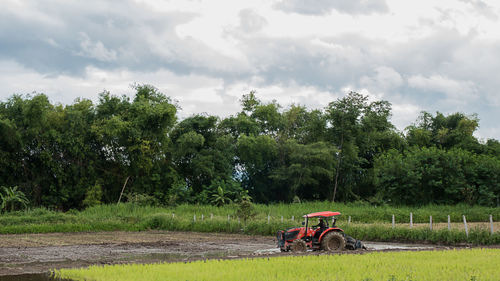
[393, 222]
[491, 224]
[173, 215]
[202, 216]
[411, 220]
[194, 218]
[268, 218]
[349, 220]
[465, 225]
[449, 223]
[430, 222]
[293, 218]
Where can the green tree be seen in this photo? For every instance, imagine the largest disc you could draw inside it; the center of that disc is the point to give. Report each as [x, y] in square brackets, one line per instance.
[246, 211]
[220, 198]
[344, 115]
[11, 198]
[93, 196]
[308, 170]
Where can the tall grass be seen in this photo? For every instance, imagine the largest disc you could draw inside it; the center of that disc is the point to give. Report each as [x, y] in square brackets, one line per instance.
[476, 264]
[132, 217]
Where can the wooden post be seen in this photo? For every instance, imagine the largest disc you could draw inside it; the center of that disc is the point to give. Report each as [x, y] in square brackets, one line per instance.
[202, 216]
[123, 188]
[173, 215]
[268, 218]
[465, 225]
[194, 218]
[393, 221]
[430, 222]
[411, 220]
[491, 224]
[349, 220]
[293, 218]
[449, 223]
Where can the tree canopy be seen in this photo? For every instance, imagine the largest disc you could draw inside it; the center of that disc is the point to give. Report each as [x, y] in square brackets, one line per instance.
[78, 155]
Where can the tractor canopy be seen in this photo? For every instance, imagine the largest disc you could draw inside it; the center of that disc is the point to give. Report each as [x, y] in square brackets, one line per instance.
[322, 214]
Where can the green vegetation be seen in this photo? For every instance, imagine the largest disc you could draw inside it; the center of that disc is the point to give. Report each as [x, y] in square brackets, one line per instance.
[11, 198]
[475, 264]
[369, 223]
[136, 150]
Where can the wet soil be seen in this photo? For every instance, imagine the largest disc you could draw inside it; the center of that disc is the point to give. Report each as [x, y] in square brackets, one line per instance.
[36, 253]
[40, 253]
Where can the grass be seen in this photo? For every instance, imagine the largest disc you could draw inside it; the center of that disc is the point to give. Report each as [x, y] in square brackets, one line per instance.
[368, 222]
[475, 264]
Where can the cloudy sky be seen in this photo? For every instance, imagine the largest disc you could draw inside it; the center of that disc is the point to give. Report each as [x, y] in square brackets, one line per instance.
[419, 55]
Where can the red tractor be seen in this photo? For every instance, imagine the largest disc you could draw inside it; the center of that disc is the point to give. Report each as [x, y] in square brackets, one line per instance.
[318, 237]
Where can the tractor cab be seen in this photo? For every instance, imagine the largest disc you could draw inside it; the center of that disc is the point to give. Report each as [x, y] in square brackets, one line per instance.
[323, 235]
[322, 219]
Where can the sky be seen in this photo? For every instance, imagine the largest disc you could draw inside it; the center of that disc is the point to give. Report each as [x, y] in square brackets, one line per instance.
[419, 55]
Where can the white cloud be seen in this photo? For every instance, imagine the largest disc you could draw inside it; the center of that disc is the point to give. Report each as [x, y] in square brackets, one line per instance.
[458, 92]
[95, 50]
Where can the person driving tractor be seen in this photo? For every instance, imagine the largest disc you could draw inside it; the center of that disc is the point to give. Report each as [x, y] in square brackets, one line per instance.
[321, 224]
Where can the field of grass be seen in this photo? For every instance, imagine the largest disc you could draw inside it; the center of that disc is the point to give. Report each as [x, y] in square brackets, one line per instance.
[476, 264]
[367, 222]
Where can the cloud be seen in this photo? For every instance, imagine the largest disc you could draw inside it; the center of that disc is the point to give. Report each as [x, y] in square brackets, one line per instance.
[458, 92]
[206, 56]
[82, 35]
[482, 8]
[250, 21]
[323, 7]
[384, 79]
[94, 50]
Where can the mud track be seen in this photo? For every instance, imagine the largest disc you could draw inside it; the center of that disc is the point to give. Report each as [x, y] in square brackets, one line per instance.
[36, 253]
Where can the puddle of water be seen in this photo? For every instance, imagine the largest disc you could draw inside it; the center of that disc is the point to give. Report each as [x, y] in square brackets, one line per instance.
[31, 277]
[394, 246]
[369, 245]
[267, 251]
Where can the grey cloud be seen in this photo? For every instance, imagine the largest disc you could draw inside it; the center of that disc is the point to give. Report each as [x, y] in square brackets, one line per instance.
[105, 35]
[426, 72]
[250, 21]
[482, 8]
[322, 7]
[444, 71]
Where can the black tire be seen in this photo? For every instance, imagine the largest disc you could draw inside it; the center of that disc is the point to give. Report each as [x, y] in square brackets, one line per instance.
[333, 241]
[298, 246]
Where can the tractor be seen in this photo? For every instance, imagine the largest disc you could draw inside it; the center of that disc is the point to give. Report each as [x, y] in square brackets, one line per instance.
[319, 237]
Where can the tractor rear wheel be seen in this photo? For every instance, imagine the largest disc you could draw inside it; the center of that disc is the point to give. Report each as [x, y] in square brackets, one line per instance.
[333, 241]
[298, 246]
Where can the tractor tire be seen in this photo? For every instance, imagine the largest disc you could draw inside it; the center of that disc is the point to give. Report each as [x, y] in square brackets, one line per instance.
[298, 246]
[333, 241]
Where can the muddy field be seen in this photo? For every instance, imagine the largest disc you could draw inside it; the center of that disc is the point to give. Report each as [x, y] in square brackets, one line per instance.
[36, 253]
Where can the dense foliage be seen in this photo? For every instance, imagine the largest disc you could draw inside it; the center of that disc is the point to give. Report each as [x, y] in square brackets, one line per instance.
[84, 154]
[475, 264]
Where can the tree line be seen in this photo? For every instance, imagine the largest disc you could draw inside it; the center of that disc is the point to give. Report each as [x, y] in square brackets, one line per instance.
[78, 155]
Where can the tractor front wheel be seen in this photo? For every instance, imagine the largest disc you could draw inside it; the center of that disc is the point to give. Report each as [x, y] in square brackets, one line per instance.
[298, 246]
[333, 241]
